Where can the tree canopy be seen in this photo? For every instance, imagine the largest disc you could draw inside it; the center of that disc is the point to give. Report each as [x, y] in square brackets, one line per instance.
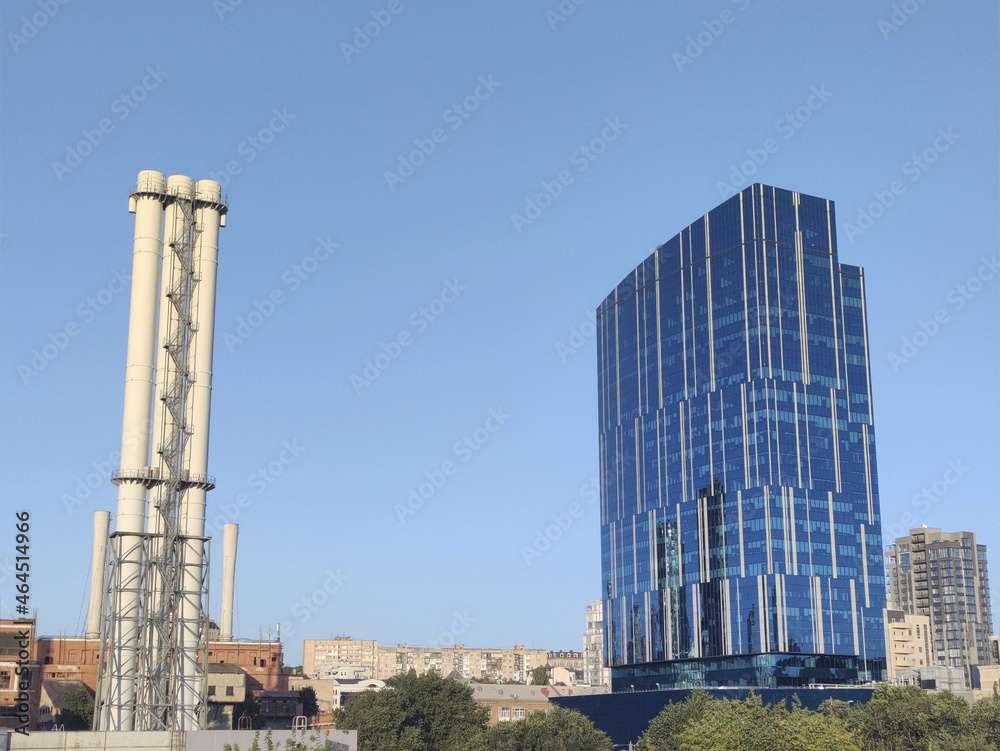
[307, 695]
[897, 718]
[557, 730]
[414, 713]
[539, 676]
[78, 712]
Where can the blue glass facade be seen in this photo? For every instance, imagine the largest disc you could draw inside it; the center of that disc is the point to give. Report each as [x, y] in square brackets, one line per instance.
[740, 532]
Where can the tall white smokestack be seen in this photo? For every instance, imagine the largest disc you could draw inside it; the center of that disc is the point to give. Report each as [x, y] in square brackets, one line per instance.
[132, 479]
[101, 521]
[154, 679]
[209, 217]
[230, 532]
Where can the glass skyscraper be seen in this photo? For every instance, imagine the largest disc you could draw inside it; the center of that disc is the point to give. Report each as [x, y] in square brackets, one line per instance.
[740, 532]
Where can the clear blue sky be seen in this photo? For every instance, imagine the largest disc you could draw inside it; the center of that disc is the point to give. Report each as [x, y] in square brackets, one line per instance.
[668, 101]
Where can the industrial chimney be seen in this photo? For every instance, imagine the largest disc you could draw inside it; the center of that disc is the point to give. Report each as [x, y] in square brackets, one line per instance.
[156, 589]
[229, 534]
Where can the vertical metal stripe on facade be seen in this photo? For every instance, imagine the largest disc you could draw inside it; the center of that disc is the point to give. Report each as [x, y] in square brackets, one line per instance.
[739, 517]
[835, 426]
[868, 474]
[864, 564]
[798, 437]
[864, 328]
[833, 534]
[801, 292]
[854, 616]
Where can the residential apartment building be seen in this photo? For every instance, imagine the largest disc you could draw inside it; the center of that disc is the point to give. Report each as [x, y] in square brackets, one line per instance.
[323, 657]
[908, 645]
[493, 665]
[943, 575]
[594, 671]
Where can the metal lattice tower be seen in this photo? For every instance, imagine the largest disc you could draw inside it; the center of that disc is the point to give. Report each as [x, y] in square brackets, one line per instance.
[154, 631]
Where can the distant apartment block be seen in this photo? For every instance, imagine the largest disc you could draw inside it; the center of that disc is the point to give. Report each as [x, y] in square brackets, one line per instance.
[323, 655]
[594, 671]
[565, 667]
[942, 575]
[908, 645]
[495, 665]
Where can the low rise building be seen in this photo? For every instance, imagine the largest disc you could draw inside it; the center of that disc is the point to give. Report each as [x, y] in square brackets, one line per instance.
[570, 662]
[227, 688]
[69, 658]
[20, 675]
[510, 702]
[278, 708]
[986, 680]
[333, 693]
[907, 644]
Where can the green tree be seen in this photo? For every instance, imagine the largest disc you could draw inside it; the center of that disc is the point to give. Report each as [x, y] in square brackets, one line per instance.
[728, 725]
[414, 713]
[298, 742]
[310, 707]
[78, 711]
[558, 730]
[249, 707]
[663, 733]
[539, 676]
[984, 719]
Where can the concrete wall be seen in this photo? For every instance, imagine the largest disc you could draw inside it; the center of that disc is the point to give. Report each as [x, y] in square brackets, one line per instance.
[198, 740]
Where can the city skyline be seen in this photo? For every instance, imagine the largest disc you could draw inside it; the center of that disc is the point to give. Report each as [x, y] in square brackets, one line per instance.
[403, 418]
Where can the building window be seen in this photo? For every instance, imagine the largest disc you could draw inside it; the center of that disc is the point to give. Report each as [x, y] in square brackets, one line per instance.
[211, 690]
[230, 691]
[503, 714]
[518, 713]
